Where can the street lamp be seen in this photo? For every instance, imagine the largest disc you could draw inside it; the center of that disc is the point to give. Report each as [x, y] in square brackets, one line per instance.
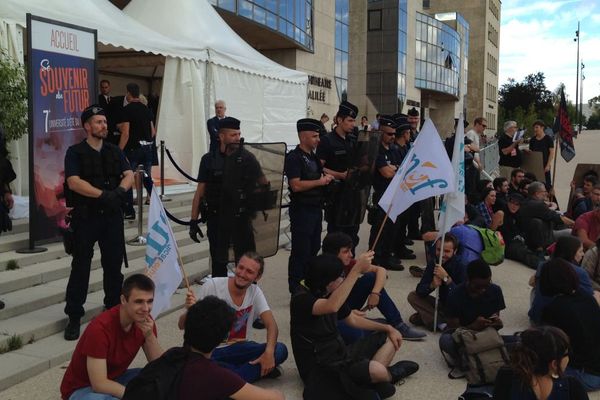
[581, 97]
[576, 39]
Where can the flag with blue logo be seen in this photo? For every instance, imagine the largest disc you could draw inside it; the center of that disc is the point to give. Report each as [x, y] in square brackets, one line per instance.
[453, 206]
[162, 261]
[426, 171]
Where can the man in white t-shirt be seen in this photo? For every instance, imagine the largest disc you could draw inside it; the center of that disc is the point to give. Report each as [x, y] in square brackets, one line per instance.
[249, 359]
[479, 126]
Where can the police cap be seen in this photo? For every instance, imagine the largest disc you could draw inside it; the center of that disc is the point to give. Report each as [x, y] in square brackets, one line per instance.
[402, 123]
[308, 124]
[347, 109]
[387, 120]
[229, 123]
[89, 112]
[413, 112]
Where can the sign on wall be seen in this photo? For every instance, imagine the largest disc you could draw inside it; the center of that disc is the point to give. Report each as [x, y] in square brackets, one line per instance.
[61, 84]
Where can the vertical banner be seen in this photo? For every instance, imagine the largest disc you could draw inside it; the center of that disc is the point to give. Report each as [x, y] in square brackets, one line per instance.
[61, 84]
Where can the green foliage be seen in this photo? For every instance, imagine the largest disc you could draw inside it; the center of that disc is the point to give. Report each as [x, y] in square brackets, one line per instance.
[14, 343]
[532, 91]
[13, 97]
[12, 265]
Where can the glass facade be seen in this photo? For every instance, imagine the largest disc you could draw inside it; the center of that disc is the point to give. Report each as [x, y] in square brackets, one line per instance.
[438, 54]
[402, 43]
[290, 18]
[342, 9]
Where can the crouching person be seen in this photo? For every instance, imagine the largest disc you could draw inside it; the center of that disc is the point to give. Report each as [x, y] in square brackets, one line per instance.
[207, 323]
[328, 367]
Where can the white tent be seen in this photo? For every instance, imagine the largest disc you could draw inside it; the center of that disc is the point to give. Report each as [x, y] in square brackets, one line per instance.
[268, 97]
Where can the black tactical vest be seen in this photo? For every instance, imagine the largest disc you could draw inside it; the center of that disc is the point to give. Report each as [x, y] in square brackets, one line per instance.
[314, 196]
[214, 185]
[343, 150]
[101, 169]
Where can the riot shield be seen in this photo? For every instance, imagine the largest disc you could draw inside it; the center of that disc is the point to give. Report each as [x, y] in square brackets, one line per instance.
[350, 204]
[250, 209]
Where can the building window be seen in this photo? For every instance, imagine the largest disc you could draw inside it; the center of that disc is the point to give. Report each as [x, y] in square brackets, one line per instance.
[426, 3]
[374, 20]
[402, 45]
[492, 35]
[494, 9]
[342, 9]
[491, 120]
[492, 64]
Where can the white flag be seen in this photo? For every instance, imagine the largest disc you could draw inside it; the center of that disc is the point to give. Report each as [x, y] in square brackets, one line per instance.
[453, 207]
[161, 256]
[425, 171]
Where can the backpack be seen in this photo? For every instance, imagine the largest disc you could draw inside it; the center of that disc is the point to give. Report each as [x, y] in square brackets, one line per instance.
[493, 245]
[159, 380]
[481, 354]
[477, 393]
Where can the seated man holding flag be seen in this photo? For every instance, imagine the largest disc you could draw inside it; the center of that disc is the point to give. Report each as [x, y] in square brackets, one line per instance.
[249, 359]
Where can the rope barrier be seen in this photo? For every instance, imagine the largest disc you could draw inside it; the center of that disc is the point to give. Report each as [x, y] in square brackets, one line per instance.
[178, 168]
[177, 220]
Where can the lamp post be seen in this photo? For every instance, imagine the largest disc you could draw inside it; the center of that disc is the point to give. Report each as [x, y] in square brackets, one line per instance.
[576, 39]
[581, 97]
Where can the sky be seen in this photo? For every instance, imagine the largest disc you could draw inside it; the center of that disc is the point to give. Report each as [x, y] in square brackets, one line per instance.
[538, 36]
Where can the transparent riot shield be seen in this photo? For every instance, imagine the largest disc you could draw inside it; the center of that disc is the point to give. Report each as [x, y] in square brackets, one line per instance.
[250, 209]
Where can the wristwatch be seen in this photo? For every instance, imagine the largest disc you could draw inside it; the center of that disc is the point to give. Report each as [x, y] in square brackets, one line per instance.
[445, 280]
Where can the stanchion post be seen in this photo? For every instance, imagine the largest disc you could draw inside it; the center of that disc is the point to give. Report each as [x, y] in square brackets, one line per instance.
[162, 172]
[139, 240]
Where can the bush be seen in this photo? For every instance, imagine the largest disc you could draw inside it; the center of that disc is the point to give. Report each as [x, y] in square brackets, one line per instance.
[14, 343]
[12, 265]
[13, 97]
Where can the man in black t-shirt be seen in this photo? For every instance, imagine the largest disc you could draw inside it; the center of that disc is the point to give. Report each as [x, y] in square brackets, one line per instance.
[137, 132]
[326, 365]
[544, 144]
[510, 155]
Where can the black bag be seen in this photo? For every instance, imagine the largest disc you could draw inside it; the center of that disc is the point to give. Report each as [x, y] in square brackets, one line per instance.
[482, 354]
[159, 380]
[477, 393]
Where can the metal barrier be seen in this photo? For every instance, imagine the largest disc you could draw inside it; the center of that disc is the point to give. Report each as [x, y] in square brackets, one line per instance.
[140, 239]
[490, 158]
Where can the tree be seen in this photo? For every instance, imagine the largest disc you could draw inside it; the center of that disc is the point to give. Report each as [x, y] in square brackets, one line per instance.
[13, 97]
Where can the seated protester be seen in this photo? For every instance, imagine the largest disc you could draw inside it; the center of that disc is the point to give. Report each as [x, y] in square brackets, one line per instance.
[537, 369]
[568, 249]
[249, 359]
[514, 237]
[367, 289]
[329, 368]
[524, 187]
[445, 277]
[474, 304]
[486, 208]
[587, 227]
[98, 367]
[501, 187]
[516, 176]
[591, 263]
[578, 316]
[584, 199]
[209, 321]
[538, 220]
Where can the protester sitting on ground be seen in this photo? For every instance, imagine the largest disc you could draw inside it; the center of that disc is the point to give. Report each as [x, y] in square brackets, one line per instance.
[249, 359]
[524, 186]
[501, 187]
[591, 263]
[538, 221]
[367, 289]
[445, 277]
[578, 316]
[516, 176]
[329, 368]
[582, 198]
[587, 226]
[474, 304]
[568, 249]
[515, 247]
[208, 321]
[537, 369]
[493, 220]
[99, 365]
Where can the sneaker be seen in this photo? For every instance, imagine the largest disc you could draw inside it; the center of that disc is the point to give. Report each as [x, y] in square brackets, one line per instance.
[129, 216]
[384, 389]
[275, 373]
[409, 333]
[401, 370]
[72, 329]
[416, 320]
[405, 253]
[416, 271]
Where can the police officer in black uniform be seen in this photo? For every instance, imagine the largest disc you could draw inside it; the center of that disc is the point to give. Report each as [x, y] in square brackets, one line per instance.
[97, 179]
[217, 198]
[306, 182]
[336, 151]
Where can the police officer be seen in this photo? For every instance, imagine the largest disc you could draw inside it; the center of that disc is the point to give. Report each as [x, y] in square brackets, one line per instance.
[97, 179]
[386, 165]
[307, 182]
[227, 221]
[414, 211]
[335, 151]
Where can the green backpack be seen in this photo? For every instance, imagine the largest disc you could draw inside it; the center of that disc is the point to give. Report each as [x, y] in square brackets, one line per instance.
[493, 245]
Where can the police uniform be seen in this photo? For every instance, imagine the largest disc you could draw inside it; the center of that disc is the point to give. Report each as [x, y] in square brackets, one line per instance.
[414, 211]
[338, 152]
[228, 220]
[306, 212]
[95, 220]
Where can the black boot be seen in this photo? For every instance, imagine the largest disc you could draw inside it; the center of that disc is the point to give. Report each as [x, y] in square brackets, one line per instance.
[72, 329]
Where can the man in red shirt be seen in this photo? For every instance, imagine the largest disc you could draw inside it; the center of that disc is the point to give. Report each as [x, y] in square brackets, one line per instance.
[110, 343]
[587, 227]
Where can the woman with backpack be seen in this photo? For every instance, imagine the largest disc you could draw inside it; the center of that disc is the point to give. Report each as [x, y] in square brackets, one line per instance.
[537, 369]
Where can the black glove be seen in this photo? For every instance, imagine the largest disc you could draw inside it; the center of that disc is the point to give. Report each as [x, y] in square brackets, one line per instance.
[110, 200]
[194, 231]
[122, 193]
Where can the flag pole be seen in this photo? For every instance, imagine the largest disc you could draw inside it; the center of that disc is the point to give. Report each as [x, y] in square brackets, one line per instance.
[437, 289]
[387, 213]
[556, 150]
[185, 278]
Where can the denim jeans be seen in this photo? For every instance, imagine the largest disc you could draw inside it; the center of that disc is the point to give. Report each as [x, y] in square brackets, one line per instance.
[590, 382]
[236, 357]
[86, 393]
[357, 299]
